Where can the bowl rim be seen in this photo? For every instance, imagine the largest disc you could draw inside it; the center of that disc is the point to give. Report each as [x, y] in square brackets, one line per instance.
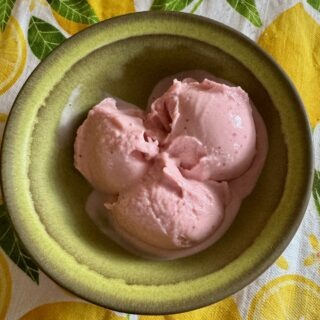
[265, 263]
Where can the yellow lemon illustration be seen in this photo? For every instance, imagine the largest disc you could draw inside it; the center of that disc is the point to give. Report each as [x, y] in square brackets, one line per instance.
[70, 311]
[290, 297]
[282, 263]
[292, 40]
[104, 9]
[13, 52]
[225, 309]
[3, 119]
[5, 286]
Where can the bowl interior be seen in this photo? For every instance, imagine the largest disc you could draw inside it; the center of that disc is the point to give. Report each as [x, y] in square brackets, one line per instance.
[132, 77]
[51, 194]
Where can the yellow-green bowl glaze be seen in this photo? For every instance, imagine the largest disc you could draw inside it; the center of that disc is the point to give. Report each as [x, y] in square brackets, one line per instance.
[126, 57]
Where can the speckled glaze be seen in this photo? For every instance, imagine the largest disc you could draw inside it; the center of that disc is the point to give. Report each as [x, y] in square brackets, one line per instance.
[126, 57]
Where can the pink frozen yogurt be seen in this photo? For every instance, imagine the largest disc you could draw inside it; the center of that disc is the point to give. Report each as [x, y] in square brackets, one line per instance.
[169, 183]
[170, 211]
[111, 150]
[221, 143]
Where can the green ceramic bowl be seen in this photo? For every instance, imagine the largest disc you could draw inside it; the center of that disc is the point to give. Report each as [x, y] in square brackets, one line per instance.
[126, 57]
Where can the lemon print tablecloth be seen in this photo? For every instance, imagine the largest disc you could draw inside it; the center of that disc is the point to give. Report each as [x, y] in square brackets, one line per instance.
[289, 30]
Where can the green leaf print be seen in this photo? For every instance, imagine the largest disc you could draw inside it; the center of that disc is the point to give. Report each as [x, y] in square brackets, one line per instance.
[75, 10]
[43, 37]
[248, 9]
[316, 190]
[5, 12]
[11, 245]
[170, 5]
[196, 6]
[315, 4]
